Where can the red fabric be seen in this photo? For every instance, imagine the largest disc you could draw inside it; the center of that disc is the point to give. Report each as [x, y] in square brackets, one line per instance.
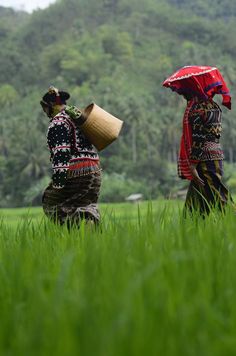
[185, 146]
[58, 100]
[200, 81]
[87, 163]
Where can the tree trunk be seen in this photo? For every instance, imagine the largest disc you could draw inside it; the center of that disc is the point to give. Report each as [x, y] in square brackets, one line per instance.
[231, 155]
[134, 144]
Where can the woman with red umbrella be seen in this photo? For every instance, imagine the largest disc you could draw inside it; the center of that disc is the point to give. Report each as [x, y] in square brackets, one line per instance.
[201, 155]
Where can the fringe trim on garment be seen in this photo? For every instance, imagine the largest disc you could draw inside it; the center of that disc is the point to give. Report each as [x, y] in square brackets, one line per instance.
[83, 169]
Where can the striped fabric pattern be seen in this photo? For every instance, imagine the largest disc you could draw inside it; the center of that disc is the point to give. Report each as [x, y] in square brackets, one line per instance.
[76, 201]
[213, 194]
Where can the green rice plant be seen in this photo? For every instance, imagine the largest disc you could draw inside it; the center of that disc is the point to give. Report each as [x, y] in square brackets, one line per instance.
[149, 282]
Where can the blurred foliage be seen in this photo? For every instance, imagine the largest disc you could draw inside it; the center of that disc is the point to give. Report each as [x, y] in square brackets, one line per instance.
[116, 187]
[116, 53]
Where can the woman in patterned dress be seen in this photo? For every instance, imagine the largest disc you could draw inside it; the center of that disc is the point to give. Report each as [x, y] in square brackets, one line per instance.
[74, 190]
[201, 155]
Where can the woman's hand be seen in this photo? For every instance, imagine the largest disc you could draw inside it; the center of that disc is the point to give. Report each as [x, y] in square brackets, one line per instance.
[195, 174]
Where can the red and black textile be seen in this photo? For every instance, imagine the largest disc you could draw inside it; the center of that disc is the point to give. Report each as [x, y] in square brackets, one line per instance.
[70, 150]
[205, 119]
[201, 136]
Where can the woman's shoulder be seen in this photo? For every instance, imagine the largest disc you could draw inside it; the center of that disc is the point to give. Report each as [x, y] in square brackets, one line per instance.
[204, 106]
[61, 119]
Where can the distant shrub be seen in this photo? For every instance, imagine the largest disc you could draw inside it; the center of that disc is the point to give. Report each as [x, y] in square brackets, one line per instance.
[33, 195]
[116, 187]
[230, 176]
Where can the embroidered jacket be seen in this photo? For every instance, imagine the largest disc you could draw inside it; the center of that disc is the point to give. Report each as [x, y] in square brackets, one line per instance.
[71, 152]
[206, 124]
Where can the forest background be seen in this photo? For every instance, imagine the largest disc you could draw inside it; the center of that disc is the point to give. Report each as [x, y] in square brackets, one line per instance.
[116, 53]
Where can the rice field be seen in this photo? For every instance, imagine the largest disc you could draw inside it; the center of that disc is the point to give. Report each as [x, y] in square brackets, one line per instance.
[147, 283]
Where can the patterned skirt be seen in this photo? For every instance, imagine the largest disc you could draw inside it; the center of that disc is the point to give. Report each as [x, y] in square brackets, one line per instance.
[76, 201]
[213, 194]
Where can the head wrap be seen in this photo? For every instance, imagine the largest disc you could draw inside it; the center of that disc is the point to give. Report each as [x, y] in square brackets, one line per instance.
[198, 83]
[55, 97]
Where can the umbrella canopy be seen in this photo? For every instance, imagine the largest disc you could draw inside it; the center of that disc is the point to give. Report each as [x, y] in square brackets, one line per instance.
[201, 81]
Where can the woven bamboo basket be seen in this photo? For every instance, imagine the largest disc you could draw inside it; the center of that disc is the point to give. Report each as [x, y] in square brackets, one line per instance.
[100, 127]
